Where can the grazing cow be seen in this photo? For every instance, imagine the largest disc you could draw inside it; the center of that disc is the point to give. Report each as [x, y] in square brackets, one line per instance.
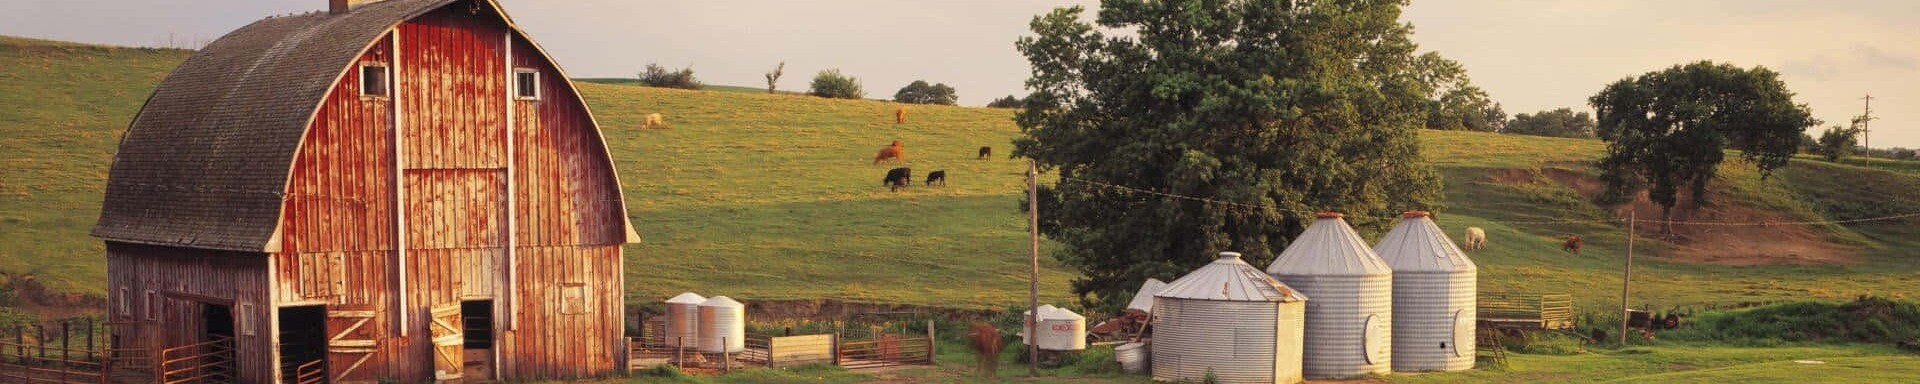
[898, 178]
[654, 120]
[985, 152]
[985, 340]
[1476, 238]
[895, 152]
[900, 115]
[939, 176]
[1572, 244]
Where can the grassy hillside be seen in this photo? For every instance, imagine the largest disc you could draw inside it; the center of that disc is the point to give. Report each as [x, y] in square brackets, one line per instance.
[62, 109]
[773, 197]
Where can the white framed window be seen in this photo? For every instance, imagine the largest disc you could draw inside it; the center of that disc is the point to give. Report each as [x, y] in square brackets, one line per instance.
[124, 304]
[243, 319]
[374, 80]
[526, 84]
[153, 305]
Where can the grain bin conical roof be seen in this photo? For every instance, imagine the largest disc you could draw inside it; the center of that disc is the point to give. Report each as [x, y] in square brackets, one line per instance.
[1143, 299]
[1228, 278]
[687, 298]
[1418, 245]
[1329, 247]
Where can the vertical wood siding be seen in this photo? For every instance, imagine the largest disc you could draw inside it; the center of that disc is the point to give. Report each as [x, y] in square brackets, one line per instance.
[564, 189]
[183, 278]
[339, 233]
[450, 78]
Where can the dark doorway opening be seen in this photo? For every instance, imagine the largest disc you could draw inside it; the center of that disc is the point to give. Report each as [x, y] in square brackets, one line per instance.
[303, 344]
[476, 319]
[219, 321]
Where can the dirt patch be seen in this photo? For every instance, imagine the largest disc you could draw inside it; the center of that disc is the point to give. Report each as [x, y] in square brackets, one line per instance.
[1707, 244]
[25, 293]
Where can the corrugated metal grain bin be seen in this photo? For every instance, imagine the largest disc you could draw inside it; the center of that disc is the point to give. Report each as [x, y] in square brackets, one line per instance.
[1349, 322]
[723, 325]
[1433, 297]
[1231, 320]
[683, 319]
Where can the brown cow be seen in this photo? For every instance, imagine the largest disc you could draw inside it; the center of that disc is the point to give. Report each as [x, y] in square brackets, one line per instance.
[900, 115]
[1572, 244]
[985, 341]
[895, 152]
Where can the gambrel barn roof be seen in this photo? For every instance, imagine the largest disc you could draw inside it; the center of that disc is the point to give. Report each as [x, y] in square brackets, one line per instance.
[206, 161]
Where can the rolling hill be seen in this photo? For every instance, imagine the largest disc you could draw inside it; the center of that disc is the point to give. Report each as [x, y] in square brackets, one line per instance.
[767, 197]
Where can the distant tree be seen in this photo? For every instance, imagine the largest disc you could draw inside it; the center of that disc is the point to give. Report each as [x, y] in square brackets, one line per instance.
[1005, 102]
[919, 92]
[831, 84]
[1808, 144]
[773, 78]
[1455, 103]
[1562, 122]
[1496, 118]
[1295, 107]
[658, 76]
[1902, 153]
[1838, 142]
[1668, 130]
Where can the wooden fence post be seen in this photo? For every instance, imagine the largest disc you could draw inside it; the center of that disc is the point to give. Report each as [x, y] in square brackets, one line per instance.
[932, 342]
[836, 348]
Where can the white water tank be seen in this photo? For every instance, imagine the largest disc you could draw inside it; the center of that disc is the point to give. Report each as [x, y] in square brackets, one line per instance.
[683, 317]
[1027, 320]
[1350, 319]
[1062, 330]
[1433, 297]
[723, 325]
[1132, 357]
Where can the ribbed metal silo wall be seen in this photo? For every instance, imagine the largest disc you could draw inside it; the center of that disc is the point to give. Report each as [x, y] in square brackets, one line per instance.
[1427, 307]
[1235, 340]
[1338, 308]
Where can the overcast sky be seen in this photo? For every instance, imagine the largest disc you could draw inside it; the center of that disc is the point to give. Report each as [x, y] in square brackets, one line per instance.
[1530, 55]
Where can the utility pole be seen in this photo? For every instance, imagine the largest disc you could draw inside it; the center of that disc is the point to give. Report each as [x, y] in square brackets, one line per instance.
[1626, 282]
[1866, 134]
[1033, 268]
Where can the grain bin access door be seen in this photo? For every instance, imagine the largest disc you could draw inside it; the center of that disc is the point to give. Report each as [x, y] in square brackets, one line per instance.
[351, 342]
[449, 340]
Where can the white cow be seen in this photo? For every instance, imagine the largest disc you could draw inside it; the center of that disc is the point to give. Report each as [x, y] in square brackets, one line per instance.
[1476, 238]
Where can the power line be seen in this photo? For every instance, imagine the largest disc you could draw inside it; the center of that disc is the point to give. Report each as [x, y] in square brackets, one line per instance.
[1539, 222]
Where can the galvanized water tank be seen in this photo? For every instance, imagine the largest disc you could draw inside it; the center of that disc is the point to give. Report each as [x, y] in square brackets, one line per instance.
[723, 325]
[1433, 297]
[1229, 320]
[683, 319]
[1350, 320]
[1132, 357]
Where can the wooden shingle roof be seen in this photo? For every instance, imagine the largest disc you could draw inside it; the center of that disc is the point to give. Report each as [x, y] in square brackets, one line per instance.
[205, 162]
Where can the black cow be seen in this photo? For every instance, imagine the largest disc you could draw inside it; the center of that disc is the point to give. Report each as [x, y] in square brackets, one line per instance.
[939, 176]
[985, 152]
[898, 178]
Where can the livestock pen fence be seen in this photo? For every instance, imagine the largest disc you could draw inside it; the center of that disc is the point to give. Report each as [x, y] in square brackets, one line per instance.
[85, 350]
[852, 346]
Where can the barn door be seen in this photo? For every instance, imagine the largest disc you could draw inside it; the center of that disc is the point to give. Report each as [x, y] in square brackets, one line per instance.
[448, 337]
[351, 341]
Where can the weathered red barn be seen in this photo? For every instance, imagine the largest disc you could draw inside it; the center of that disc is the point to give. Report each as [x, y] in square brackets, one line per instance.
[401, 189]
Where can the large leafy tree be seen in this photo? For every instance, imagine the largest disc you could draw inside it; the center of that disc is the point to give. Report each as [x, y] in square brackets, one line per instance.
[919, 92]
[1562, 122]
[1668, 130]
[1455, 103]
[1838, 142]
[1281, 105]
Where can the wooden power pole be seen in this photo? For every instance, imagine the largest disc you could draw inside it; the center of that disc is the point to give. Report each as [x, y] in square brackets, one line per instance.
[1033, 268]
[1626, 282]
[1866, 134]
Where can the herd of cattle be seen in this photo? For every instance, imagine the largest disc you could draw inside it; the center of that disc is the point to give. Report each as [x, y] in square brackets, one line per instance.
[902, 177]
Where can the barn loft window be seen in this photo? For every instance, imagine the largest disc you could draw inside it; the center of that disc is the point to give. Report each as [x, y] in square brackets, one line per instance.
[244, 320]
[125, 308]
[373, 80]
[153, 305]
[526, 84]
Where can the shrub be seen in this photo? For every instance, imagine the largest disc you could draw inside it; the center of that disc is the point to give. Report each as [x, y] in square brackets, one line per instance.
[919, 92]
[1868, 319]
[658, 76]
[831, 84]
[1006, 102]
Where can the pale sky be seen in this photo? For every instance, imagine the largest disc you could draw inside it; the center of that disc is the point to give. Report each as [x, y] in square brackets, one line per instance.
[1529, 55]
